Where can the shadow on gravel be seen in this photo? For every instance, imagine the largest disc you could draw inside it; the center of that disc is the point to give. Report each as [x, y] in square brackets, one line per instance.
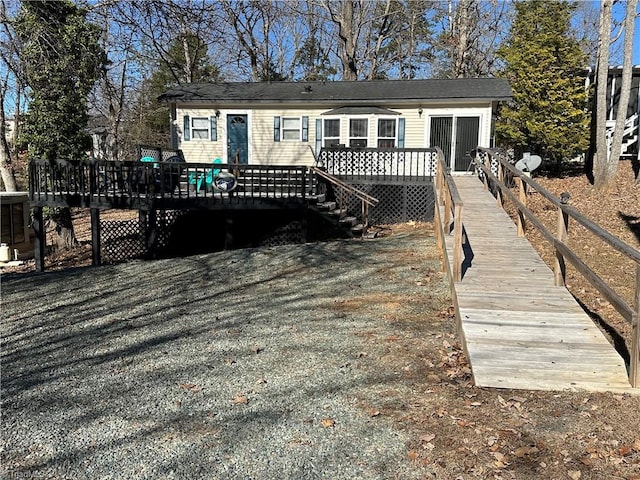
[230, 365]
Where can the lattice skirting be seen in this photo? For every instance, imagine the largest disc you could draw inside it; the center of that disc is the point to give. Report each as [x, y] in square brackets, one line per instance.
[131, 239]
[398, 203]
[180, 233]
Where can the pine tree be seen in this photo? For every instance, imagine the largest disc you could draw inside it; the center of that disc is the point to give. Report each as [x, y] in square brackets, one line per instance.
[545, 66]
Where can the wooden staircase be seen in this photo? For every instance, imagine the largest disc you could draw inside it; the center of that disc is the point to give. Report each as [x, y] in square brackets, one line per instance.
[331, 198]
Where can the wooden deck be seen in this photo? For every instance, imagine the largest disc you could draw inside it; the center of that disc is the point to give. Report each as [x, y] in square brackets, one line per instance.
[518, 329]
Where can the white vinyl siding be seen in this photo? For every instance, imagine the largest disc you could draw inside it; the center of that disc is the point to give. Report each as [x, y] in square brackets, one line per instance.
[203, 150]
[263, 150]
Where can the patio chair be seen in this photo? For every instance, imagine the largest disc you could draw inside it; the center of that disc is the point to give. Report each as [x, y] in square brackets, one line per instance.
[205, 180]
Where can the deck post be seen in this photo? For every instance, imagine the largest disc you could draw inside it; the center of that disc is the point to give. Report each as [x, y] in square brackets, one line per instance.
[228, 231]
[522, 196]
[487, 164]
[499, 198]
[457, 244]
[634, 360]
[40, 241]
[560, 270]
[447, 211]
[95, 237]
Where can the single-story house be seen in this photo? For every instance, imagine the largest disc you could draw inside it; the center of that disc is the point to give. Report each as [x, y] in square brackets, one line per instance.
[289, 122]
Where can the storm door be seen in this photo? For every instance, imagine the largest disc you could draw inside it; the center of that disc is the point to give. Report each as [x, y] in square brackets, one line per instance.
[237, 139]
[456, 136]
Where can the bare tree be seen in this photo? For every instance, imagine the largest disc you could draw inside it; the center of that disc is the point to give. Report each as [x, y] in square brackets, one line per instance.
[253, 26]
[607, 154]
[349, 18]
[472, 31]
[625, 90]
[10, 93]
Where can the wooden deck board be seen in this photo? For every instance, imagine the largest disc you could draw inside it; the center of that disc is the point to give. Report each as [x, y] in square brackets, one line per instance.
[519, 330]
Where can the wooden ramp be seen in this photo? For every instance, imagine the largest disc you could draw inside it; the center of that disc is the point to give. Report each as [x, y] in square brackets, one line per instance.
[518, 329]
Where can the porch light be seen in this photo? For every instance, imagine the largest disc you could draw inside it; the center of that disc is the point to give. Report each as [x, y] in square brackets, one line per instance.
[217, 113]
[420, 112]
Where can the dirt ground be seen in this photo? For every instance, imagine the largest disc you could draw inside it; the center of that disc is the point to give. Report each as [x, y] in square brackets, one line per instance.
[463, 432]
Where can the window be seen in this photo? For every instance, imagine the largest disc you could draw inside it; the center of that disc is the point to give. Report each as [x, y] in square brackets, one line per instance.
[290, 128]
[331, 132]
[12, 223]
[358, 132]
[386, 132]
[200, 128]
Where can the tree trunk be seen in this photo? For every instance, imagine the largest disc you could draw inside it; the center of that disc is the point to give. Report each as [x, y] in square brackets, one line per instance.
[65, 234]
[600, 163]
[348, 32]
[6, 169]
[625, 91]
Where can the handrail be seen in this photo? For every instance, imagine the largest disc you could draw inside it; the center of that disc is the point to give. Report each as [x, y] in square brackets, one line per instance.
[447, 194]
[559, 242]
[346, 188]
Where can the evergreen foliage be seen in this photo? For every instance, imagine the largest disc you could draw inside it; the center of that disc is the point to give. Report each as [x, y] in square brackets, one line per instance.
[545, 66]
[61, 59]
[150, 119]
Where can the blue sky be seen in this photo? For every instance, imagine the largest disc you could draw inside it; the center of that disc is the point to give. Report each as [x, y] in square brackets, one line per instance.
[618, 13]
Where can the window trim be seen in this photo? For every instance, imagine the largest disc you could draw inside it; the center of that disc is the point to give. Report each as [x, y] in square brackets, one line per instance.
[366, 137]
[207, 120]
[324, 129]
[283, 119]
[395, 133]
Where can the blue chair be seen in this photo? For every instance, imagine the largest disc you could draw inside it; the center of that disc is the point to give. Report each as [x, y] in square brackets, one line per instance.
[206, 179]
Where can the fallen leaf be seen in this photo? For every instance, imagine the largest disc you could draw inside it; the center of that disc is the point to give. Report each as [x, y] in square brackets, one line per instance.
[328, 422]
[427, 437]
[523, 451]
[190, 387]
[624, 451]
[575, 474]
[413, 455]
[241, 399]
[256, 349]
[374, 413]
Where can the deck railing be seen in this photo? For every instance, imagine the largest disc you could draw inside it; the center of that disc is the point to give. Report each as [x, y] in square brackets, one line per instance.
[378, 163]
[343, 191]
[447, 195]
[102, 183]
[484, 159]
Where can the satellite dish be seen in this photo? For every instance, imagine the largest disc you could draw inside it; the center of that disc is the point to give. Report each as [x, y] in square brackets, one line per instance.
[528, 162]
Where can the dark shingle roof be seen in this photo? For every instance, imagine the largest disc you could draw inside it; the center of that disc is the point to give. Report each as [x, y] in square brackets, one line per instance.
[362, 92]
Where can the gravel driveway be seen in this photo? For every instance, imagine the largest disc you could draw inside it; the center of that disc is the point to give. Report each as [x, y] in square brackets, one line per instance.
[248, 364]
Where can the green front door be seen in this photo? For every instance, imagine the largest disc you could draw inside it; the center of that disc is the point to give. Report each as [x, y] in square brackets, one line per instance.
[237, 139]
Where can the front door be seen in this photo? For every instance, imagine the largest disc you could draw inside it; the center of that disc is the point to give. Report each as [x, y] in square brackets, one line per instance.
[456, 137]
[237, 139]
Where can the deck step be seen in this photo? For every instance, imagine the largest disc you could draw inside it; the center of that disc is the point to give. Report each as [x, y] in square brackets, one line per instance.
[316, 199]
[357, 229]
[348, 221]
[326, 206]
[338, 212]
